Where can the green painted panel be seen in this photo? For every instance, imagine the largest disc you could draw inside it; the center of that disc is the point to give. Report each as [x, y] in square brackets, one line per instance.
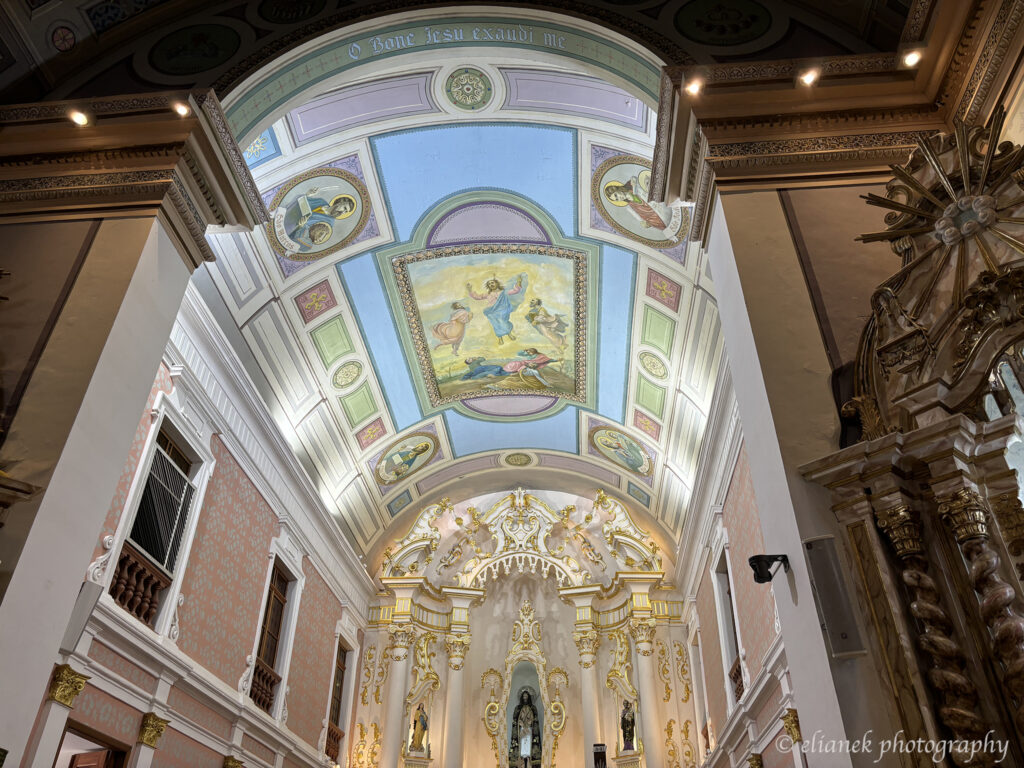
[658, 330]
[359, 406]
[332, 341]
[650, 396]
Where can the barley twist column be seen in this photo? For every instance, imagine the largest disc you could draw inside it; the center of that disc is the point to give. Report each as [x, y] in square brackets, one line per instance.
[957, 693]
[964, 513]
[642, 630]
[402, 637]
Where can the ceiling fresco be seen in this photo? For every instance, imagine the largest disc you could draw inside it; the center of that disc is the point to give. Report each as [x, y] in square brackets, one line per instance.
[464, 284]
[102, 47]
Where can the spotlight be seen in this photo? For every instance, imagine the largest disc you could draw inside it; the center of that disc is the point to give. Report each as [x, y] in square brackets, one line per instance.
[810, 77]
[911, 58]
[694, 87]
[78, 118]
[182, 109]
[765, 566]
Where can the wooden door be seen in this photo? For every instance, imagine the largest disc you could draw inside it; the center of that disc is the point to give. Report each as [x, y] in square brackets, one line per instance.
[90, 760]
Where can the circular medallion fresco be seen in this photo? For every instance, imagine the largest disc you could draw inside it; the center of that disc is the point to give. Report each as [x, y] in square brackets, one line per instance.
[194, 49]
[346, 374]
[518, 460]
[317, 213]
[723, 22]
[651, 363]
[621, 449]
[468, 89]
[620, 189]
[63, 38]
[404, 457]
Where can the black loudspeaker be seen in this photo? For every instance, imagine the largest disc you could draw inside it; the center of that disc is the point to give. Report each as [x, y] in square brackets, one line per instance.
[599, 752]
[833, 601]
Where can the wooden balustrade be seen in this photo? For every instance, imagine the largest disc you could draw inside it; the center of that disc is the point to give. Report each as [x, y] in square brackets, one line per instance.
[264, 681]
[736, 677]
[137, 584]
[334, 737]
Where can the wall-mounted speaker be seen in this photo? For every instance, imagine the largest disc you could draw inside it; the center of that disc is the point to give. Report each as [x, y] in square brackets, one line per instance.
[835, 611]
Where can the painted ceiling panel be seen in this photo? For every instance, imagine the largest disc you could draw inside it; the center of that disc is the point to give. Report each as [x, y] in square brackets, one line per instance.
[560, 93]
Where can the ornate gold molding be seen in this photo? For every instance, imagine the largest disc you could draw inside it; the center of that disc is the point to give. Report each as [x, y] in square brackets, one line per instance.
[755, 760]
[791, 722]
[65, 685]
[664, 669]
[964, 513]
[682, 670]
[457, 645]
[151, 729]
[233, 762]
[642, 631]
[402, 637]
[903, 528]
[369, 658]
[587, 643]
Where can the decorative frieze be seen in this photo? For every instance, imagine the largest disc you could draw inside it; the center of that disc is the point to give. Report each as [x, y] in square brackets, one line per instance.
[65, 685]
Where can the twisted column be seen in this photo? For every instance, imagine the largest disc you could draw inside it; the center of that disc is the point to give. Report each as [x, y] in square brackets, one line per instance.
[587, 642]
[456, 645]
[957, 693]
[642, 630]
[402, 637]
[964, 513]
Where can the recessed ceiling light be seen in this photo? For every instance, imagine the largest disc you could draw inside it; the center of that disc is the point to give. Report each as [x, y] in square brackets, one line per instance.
[911, 58]
[78, 118]
[694, 87]
[810, 77]
[182, 109]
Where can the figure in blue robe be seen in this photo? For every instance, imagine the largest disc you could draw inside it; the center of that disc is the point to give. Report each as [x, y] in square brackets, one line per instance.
[500, 304]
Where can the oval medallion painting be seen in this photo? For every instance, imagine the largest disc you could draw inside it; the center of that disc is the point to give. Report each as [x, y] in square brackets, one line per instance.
[317, 213]
[404, 457]
[621, 449]
[620, 190]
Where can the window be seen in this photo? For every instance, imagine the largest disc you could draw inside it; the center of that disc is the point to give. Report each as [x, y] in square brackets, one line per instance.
[334, 731]
[149, 556]
[265, 677]
[727, 623]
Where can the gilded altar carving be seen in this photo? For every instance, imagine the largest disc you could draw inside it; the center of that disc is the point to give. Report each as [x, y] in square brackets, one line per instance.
[683, 670]
[1009, 515]
[964, 513]
[665, 670]
[642, 631]
[367, 754]
[557, 679]
[671, 753]
[903, 529]
[402, 638]
[65, 685]
[424, 679]
[151, 729]
[621, 668]
[457, 645]
[628, 543]
[687, 753]
[493, 680]
[369, 666]
[587, 643]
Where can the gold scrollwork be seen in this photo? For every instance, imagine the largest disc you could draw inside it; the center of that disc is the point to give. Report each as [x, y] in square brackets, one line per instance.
[755, 760]
[682, 670]
[664, 670]
[424, 678]
[671, 754]
[368, 672]
[65, 685]
[557, 677]
[618, 675]
[791, 722]
[151, 729]
[492, 709]
[233, 762]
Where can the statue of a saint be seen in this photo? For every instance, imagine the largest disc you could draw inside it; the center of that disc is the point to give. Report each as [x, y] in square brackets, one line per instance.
[419, 729]
[628, 724]
[524, 746]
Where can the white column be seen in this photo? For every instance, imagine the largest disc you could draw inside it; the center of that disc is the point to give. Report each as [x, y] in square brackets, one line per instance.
[65, 685]
[393, 728]
[150, 731]
[456, 645]
[642, 630]
[587, 642]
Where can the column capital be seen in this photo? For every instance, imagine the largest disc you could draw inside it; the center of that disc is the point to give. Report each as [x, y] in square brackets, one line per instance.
[233, 762]
[171, 152]
[402, 637]
[903, 528]
[642, 630]
[965, 513]
[587, 642]
[791, 722]
[457, 644]
[151, 729]
[65, 685]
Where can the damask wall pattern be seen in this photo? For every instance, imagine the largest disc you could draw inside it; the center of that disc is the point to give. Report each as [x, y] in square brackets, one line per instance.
[185, 705]
[179, 751]
[755, 603]
[122, 666]
[124, 482]
[104, 714]
[711, 655]
[226, 572]
[312, 669]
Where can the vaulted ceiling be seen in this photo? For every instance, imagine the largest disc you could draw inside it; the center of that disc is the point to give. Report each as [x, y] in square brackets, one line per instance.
[463, 287]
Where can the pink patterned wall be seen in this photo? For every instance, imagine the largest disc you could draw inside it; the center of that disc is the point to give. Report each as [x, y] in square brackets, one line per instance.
[126, 668]
[755, 604]
[312, 670]
[711, 654]
[191, 709]
[104, 714]
[179, 751]
[161, 384]
[227, 569]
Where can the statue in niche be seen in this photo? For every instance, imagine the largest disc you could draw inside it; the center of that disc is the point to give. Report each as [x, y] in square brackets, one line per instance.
[419, 729]
[524, 745]
[627, 722]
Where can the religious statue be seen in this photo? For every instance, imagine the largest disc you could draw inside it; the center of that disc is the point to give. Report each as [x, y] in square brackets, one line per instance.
[419, 729]
[628, 725]
[524, 745]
